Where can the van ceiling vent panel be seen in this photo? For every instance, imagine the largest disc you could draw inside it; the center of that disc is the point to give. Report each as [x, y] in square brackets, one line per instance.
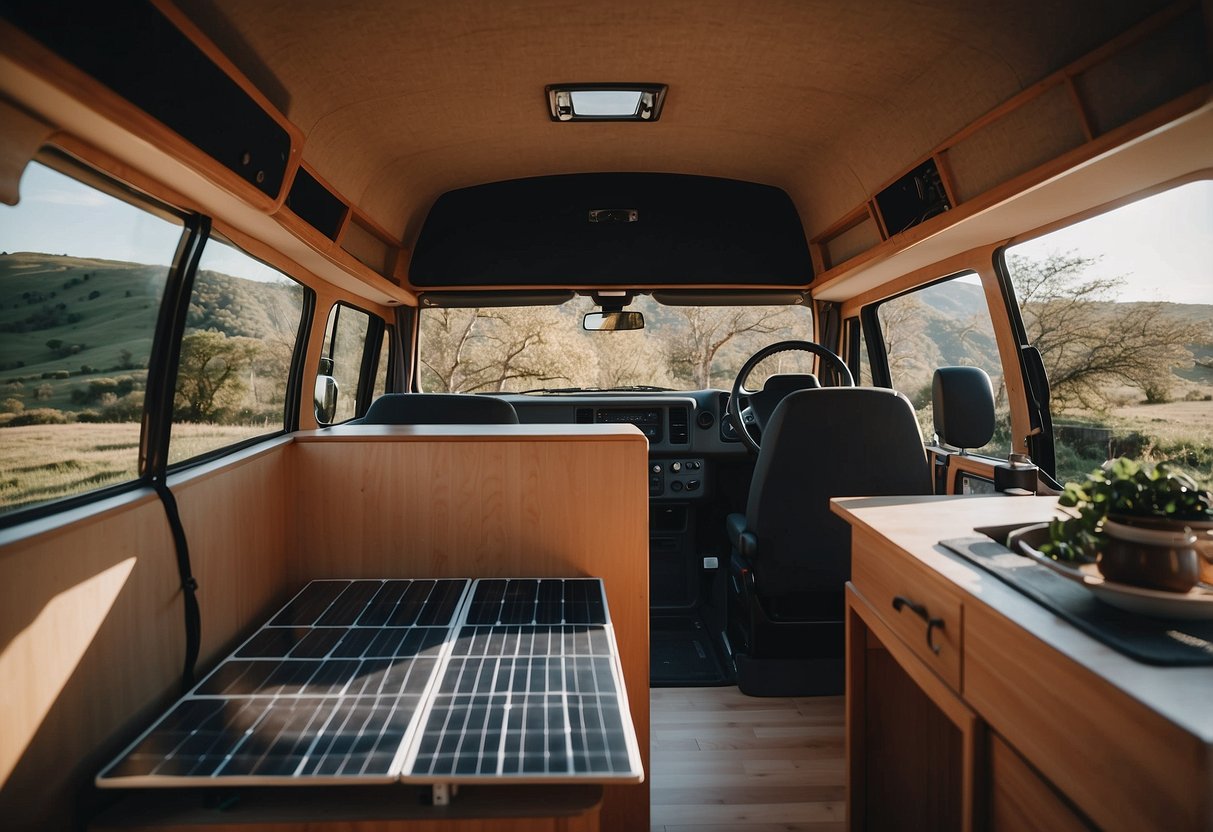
[688, 230]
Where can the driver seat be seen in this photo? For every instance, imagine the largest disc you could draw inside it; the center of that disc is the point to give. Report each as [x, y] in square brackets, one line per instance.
[791, 554]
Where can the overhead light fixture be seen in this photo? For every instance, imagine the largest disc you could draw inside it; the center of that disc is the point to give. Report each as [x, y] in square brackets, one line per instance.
[605, 102]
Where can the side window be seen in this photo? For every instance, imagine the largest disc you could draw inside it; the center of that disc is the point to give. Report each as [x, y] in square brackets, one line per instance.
[1119, 307]
[82, 273]
[236, 353]
[943, 325]
[342, 355]
[857, 352]
[381, 366]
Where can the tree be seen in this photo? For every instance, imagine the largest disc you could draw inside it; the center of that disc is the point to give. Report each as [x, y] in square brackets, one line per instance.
[1089, 342]
[210, 376]
[905, 339]
[488, 350]
[710, 329]
[629, 358]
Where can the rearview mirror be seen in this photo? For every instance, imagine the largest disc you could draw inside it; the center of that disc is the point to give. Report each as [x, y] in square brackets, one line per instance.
[325, 393]
[612, 321]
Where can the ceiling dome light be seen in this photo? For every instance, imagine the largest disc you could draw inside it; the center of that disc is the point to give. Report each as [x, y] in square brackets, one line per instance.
[605, 102]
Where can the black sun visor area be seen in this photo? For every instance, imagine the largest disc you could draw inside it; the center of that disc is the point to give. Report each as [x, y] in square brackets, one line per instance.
[612, 229]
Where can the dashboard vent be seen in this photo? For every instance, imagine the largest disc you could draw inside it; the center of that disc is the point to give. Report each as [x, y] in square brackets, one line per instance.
[678, 425]
[585, 416]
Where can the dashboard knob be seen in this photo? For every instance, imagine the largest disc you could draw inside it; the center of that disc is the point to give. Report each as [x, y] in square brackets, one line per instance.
[676, 467]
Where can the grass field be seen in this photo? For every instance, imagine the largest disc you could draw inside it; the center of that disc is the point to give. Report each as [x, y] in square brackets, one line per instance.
[46, 462]
[1180, 432]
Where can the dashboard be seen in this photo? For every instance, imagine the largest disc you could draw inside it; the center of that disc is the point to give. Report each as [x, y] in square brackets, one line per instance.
[686, 431]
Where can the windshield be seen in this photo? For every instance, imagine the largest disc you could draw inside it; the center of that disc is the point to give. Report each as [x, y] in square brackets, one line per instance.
[517, 349]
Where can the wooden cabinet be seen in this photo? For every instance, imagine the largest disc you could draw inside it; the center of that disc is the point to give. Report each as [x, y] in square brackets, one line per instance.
[910, 740]
[1019, 798]
[925, 614]
[971, 707]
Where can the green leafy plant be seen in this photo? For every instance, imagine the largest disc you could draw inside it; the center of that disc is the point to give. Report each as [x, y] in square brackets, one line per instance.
[1127, 488]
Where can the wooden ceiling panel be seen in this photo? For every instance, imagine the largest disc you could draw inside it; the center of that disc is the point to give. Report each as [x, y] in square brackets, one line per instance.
[402, 101]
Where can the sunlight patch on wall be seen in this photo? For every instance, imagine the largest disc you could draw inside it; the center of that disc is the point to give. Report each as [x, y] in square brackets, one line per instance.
[53, 643]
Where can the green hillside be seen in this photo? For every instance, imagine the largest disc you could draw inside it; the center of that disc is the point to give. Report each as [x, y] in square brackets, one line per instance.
[74, 329]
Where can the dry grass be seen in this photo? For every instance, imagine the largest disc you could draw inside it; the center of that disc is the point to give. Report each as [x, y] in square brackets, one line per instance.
[46, 462]
[1170, 423]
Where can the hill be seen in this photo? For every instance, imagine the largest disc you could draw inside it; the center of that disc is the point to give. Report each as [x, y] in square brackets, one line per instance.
[67, 322]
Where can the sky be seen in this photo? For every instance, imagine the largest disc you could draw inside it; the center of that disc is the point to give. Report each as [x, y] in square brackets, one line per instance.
[58, 215]
[1161, 245]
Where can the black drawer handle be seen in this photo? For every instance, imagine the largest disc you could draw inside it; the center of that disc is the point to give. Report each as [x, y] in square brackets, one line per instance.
[900, 601]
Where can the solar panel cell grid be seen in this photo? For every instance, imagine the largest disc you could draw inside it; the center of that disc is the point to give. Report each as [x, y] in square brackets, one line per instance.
[373, 681]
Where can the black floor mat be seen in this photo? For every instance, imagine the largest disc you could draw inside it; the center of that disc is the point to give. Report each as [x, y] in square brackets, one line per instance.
[681, 654]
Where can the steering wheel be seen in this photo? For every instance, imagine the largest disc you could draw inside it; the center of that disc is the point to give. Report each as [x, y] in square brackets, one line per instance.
[762, 403]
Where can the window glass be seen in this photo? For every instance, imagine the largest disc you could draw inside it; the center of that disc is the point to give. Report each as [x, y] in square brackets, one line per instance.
[236, 352]
[344, 346]
[1120, 307]
[382, 365]
[81, 277]
[946, 324]
[859, 363]
[496, 350]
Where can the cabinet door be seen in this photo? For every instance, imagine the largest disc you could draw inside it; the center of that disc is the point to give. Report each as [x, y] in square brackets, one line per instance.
[1021, 799]
[912, 745]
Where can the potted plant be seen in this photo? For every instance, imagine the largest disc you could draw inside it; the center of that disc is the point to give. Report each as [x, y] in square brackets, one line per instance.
[1142, 524]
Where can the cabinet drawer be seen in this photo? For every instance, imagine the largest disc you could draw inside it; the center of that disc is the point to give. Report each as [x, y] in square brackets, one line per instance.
[919, 609]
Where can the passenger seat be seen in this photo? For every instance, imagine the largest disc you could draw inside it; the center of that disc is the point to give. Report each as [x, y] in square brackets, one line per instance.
[438, 409]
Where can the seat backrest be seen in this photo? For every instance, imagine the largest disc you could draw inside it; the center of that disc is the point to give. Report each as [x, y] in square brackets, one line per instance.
[963, 401]
[831, 442]
[438, 409]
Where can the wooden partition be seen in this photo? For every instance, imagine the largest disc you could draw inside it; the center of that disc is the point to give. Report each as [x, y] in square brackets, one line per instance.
[508, 501]
[91, 626]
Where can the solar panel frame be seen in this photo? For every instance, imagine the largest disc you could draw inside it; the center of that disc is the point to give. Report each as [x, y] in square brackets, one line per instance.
[625, 769]
[317, 659]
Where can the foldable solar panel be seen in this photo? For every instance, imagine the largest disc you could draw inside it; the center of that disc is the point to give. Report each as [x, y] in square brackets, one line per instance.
[374, 681]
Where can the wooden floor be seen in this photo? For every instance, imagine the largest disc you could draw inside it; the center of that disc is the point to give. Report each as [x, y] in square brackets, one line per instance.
[724, 761]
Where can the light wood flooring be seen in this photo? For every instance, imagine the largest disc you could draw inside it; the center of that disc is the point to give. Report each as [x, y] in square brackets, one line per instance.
[725, 761]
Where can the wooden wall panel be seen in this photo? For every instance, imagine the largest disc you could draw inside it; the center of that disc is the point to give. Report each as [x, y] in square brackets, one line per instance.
[92, 637]
[511, 501]
[235, 519]
[90, 643]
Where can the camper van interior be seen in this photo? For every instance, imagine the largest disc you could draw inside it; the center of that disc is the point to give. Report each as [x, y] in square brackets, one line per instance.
[667, 416]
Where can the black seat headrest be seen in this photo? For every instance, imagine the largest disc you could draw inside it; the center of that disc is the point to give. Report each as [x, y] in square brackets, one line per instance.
[964, 406]
[784, 383]
[439, 409]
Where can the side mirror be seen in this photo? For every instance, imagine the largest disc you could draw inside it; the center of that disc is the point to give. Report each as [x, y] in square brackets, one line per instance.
[612, 321]
[326, 392]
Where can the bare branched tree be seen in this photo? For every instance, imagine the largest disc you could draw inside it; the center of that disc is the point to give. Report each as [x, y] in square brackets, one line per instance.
[711, 329]
[1090, 343]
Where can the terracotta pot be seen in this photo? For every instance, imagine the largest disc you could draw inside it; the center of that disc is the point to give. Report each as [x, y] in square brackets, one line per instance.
[1159, 554]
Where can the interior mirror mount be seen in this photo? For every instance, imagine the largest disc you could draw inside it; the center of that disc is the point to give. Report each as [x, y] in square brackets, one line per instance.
[612, 321]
